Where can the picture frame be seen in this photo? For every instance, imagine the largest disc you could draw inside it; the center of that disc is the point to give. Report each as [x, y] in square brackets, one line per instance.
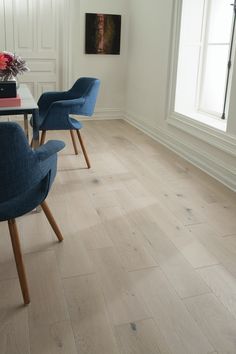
[102, 33]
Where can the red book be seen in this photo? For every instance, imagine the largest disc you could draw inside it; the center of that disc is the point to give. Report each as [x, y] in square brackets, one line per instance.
[10, 102]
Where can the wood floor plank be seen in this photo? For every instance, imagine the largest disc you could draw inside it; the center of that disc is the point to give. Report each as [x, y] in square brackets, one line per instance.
[223, 285]
[106, 164]
[133, 253]
[92, 330]
[215, 321]
[110, 213]
[48, 304]
[141, 337]
[186, 209]
[174, 321]
[129, 203]
[7, 262]
[221, 216]
[124, 305]
[179, 272]
[96, 237]
[14, 325]
[73, 258]
[56, 338]
[35, 232]
[189, 245]
[224, 249]
[148, 262]
[103, 199]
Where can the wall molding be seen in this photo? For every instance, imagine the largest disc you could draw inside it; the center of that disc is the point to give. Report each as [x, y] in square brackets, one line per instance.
[104, 114]
[213, 166]
[108, 113]
[221, 140]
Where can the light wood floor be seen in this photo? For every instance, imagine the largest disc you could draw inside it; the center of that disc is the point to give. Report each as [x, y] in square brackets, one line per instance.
[148, 262]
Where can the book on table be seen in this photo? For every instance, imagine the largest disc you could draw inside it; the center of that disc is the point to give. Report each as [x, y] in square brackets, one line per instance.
[10, 102]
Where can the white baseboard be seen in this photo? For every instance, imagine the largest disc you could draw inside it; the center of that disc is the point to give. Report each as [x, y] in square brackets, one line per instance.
[103, 114]
[211, 165]
[216, 168]
[100, 114]
[108, 113]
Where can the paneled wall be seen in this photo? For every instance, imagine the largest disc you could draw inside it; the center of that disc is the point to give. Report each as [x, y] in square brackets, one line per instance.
[30, 28]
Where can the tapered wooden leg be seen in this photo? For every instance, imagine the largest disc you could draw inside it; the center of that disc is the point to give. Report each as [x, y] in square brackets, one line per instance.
[43, 137]
[19, 260]
[73, 141]
[26, 126]
[51, 220]
[83, 149]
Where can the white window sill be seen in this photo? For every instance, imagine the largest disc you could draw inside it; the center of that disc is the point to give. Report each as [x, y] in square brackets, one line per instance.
[204, 119]
[208, 129]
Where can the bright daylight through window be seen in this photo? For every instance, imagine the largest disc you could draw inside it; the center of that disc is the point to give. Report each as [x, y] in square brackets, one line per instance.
[203, 60]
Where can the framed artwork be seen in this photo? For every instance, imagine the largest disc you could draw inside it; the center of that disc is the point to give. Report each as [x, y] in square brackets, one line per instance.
[102, 33]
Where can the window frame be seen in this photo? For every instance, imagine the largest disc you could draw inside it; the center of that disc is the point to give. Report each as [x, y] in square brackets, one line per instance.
[211, 130]
[205, 44]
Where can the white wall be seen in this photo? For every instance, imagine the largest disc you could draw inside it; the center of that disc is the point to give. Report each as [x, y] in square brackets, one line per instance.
[109, 68]
[148, 79]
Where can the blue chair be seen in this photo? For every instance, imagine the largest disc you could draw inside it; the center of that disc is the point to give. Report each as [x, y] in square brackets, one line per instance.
[26, 176]
[55, 108]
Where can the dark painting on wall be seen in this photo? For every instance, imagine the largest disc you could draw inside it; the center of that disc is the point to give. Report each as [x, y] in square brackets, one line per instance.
[102, 34]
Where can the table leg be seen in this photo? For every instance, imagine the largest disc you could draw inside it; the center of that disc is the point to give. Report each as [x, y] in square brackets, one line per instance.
[26, 126]
[35, 116]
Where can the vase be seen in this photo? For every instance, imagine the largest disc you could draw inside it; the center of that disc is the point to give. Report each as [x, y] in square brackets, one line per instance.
[11, 78]
[14, 78]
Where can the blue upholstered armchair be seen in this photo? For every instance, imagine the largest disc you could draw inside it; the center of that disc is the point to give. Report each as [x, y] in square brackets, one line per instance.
[25, 180]
[55, 109]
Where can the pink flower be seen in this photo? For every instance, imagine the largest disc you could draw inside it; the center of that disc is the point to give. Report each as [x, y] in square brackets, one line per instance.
[11, 65]
[3, 61]
[9, 57]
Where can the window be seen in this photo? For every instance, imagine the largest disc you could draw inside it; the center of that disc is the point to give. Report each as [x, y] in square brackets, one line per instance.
[203, 56]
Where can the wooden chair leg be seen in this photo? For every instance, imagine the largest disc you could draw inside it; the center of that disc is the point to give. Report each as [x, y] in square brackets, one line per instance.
[51, 220]
[83, 149]
[73, 141]
[19, 260]
[43, 137]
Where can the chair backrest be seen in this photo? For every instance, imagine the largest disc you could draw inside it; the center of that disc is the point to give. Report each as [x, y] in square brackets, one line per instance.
[87, 88]
[19, 170]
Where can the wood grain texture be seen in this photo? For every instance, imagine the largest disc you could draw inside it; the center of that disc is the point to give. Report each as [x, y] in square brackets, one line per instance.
[14, 324]
[123, 303]
[48, 303]
[215, 321]
[176, 325]
[141, 337]
[148, 262]
[88, 314]
[19, 260]
[180, 273]
[57, 338]
[223, 285]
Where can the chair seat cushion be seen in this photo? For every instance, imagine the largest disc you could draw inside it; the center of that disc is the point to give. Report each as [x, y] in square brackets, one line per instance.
[75, 124]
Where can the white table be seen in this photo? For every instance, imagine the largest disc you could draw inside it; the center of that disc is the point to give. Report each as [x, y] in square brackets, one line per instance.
[28, 106]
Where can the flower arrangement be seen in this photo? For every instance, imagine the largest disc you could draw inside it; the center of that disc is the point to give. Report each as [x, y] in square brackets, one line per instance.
[11, 65]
